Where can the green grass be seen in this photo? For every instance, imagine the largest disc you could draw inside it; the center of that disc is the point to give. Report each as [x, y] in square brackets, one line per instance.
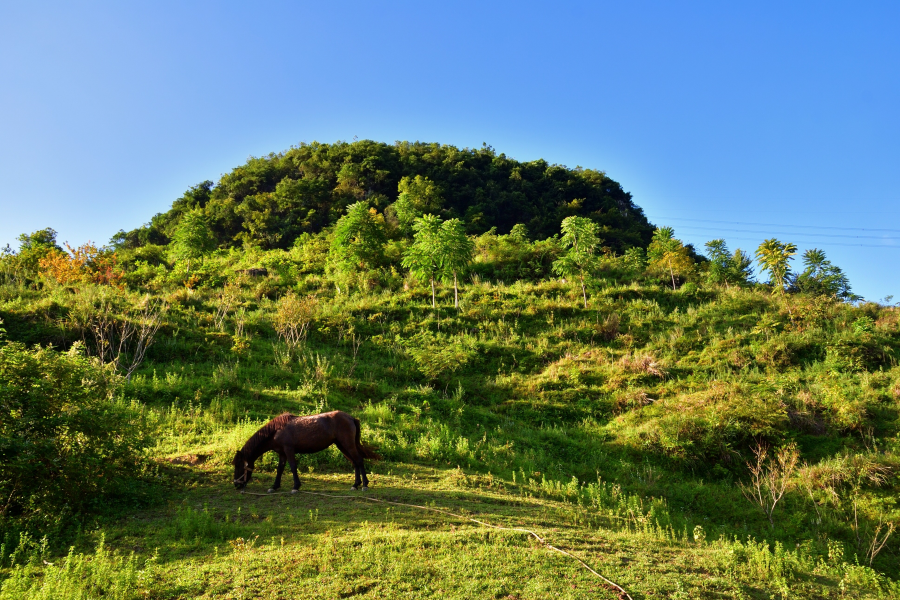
[620, 432]
[214, 542]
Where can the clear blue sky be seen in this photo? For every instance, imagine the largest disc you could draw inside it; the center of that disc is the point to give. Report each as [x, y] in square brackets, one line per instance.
[783, 114]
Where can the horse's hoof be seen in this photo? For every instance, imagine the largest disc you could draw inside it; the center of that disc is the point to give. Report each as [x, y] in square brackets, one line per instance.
[353, 488]
[270, 491]
[365, 488]
[294, 491]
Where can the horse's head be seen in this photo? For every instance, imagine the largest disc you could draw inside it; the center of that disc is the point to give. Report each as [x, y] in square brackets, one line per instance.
[243, 470]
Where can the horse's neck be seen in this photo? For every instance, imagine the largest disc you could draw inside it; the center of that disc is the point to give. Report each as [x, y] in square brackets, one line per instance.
[258, 449]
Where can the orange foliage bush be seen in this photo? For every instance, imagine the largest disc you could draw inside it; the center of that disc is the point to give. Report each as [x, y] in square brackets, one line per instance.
[85, 263]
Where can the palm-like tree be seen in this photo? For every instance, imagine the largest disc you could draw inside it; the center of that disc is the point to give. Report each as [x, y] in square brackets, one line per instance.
[457, 250]
[774, 256]
[581, 236]
[424, 257]
[668, 253]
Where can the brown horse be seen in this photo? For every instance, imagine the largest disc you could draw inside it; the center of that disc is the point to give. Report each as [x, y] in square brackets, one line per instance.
[287, 435]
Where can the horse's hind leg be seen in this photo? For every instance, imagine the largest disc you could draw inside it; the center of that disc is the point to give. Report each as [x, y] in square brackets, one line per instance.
[354, 458]
[362, 469]
[278, 472]
[361, 454]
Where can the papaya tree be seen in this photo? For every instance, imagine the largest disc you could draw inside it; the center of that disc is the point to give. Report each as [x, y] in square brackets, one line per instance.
[775, 256]
[456, 252]
[358, 241]
[192, 237]
[581, 238]
[425, 256]
[667, 253]
[725, 267]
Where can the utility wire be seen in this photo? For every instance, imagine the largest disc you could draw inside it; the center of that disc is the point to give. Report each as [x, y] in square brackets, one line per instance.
[832, 235]
[776, 224]
[822, 243]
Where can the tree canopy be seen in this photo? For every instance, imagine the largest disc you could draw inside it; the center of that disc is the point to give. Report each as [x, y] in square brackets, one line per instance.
[821, 278]
[358, 242]
[727, 268]
[271, 200]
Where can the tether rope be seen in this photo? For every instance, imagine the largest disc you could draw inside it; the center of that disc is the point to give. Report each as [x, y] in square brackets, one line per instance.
[622, 593]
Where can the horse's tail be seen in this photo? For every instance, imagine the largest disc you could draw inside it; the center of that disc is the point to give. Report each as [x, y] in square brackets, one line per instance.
[365, 450]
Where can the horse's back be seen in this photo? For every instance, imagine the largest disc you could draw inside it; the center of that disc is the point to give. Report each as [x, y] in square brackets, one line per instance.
[313, 433]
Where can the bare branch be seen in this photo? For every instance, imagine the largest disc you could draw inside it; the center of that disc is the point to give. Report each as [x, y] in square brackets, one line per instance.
[770, 477]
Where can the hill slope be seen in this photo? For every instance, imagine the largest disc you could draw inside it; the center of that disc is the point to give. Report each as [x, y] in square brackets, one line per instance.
[687, 431]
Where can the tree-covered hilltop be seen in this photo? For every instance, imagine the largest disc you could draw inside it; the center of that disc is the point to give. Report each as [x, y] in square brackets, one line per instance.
[271, 200]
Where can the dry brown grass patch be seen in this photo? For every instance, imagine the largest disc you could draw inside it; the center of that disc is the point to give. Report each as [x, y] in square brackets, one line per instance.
[645, 363]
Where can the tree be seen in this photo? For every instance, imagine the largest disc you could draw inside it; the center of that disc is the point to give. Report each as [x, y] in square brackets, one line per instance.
[669, 254]
[358, 242]
[424, 257]
[35, 247]
[192, 237]
[725, 267]
[581, 237]
[418, 196]
[457, 250]
[774, 256]
[634, 260]
[43, 238]
[519, 234]
[822, 278]
[317, 181]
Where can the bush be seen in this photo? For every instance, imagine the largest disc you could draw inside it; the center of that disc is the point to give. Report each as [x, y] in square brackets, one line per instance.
[64, 444]
[103, 574]
[438, 355]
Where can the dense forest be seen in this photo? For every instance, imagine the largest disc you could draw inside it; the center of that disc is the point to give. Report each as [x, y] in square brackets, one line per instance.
[519, 343]
[270, 201]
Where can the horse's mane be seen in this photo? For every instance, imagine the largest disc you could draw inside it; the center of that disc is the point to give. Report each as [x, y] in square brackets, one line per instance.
[265, 432]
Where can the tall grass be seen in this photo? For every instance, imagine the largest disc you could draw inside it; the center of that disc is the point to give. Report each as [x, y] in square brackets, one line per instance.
[77, 576]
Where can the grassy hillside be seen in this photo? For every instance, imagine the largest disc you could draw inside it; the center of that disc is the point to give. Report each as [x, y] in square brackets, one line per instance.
[686, 431]
[620, 431]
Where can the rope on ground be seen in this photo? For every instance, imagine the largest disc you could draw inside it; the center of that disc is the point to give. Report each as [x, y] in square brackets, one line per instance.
[622, 593]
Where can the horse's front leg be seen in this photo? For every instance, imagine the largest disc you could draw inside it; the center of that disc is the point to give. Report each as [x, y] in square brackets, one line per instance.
[278, 472]
[292, 461]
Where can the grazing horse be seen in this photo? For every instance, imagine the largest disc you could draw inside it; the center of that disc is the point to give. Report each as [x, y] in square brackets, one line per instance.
[287, 435]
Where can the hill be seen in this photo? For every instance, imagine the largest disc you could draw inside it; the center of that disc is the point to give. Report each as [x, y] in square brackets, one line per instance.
[271, 200]
[686, 431]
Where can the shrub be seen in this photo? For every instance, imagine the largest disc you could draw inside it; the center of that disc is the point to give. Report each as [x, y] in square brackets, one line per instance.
[63, 443]
[293, 316]
[85, 263]
[437, 355]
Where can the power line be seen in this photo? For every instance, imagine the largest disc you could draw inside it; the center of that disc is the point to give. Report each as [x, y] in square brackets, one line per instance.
[778, 225]
[832, 235]
[823, 243]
